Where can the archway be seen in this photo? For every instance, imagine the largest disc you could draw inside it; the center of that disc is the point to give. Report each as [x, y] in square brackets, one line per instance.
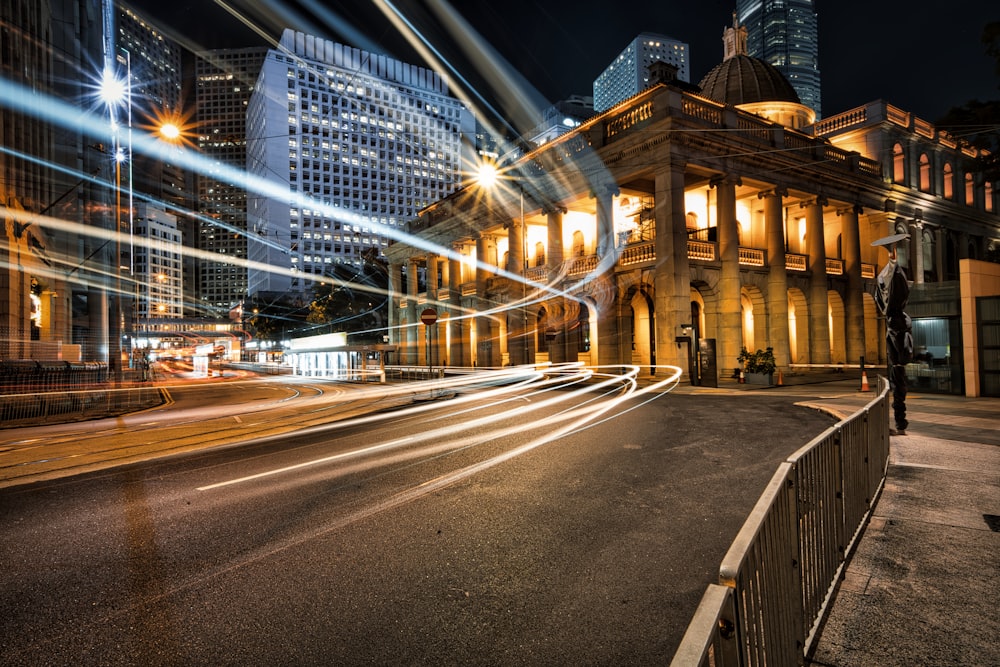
[837, 324]
[754, 317]
[798, 326]
[874, 335]
[643, 329]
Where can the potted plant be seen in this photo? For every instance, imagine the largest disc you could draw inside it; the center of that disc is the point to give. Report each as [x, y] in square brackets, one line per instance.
[759, 366]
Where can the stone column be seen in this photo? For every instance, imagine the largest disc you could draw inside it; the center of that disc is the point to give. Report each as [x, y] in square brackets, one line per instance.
[672, 277]
[777, 277]
[517, 315]
[557, 307]
[395, 296]
[819, 303]
[940, 253]
[487, 343]
[605, 286]
[854, 317]
[412, 334]
[432, 298]
[917, 252]
[730, 316]
[460, 353]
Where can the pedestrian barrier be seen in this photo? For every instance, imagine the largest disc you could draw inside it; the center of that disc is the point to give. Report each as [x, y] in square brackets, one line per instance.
[780, 573]
[64, 406]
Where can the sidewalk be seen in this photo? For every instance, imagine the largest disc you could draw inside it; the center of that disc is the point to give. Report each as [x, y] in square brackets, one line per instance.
[923, 585]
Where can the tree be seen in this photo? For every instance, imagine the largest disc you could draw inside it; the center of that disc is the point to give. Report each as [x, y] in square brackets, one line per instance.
[353, 300]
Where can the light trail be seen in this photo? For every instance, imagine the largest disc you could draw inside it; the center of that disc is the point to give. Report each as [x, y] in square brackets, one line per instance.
[582, 408]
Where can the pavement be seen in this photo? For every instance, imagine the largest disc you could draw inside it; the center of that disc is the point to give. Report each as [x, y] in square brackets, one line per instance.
[923, 584]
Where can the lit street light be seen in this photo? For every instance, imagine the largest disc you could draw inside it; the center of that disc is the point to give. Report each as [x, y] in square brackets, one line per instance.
[116, 91]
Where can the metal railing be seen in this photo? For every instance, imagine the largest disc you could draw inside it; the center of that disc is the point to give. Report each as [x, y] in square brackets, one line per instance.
[65, 406]
[777, 579]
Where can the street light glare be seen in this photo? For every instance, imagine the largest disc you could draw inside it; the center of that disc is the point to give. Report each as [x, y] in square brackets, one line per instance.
[487, 176]
[111, 89]
[170, 131]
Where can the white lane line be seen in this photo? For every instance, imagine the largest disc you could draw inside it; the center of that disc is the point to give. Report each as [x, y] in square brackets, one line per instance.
[305, 464]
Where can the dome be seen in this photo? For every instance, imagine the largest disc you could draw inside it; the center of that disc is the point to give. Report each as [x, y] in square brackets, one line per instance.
[741, 79]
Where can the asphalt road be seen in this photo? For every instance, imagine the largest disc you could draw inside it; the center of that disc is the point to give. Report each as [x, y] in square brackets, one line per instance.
[460, 535]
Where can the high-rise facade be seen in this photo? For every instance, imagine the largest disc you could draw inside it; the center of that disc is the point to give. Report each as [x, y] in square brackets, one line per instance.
[785, 34]
[158, 188]
[224, 81]
[628, 74]
[343, 148]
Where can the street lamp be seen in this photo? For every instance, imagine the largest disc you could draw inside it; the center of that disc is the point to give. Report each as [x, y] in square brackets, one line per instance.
[116, 91]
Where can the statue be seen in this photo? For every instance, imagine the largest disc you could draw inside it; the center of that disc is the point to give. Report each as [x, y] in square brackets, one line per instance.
[891, 294]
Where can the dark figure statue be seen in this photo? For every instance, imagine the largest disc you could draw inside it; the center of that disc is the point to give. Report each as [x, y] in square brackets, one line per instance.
[891, 295]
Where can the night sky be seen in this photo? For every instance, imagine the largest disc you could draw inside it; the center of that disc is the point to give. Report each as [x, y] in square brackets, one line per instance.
[924, 61]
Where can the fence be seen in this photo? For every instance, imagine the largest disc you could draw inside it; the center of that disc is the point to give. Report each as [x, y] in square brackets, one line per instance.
[780, 573]
[49, 392]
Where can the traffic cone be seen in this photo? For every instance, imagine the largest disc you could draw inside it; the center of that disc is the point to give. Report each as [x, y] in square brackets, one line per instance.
[742, 379]
[781, 379]
[864, 382]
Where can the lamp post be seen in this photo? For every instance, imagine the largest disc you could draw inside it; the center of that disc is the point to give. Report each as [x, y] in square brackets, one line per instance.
[116, 91]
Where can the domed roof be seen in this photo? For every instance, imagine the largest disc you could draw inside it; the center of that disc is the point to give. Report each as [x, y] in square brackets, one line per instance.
[741, 79]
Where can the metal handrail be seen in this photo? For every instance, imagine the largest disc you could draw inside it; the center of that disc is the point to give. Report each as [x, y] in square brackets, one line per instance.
[781, 571]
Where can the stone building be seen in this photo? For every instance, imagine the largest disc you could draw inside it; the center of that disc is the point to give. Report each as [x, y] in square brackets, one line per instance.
[673, 215]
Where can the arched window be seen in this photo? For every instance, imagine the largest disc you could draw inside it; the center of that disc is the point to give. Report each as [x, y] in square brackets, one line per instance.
[927, 247]
[579, 249]
[949, 184]
[970, 190]
[898, 164]
[989, 197]
[925, 173]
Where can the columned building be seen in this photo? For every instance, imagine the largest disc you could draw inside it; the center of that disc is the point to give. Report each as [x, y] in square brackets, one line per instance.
[675, 215]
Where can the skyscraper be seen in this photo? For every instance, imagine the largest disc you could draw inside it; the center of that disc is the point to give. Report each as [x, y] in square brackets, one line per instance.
[628, 73]
[225, 79]
[785, 34]
[158, 189]
[349, 145]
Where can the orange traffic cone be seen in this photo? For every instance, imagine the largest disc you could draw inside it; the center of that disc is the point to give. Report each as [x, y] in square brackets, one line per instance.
[781, 379]
[864, 382]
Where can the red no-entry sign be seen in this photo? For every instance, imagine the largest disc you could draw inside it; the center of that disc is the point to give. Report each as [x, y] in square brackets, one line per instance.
[429, 316]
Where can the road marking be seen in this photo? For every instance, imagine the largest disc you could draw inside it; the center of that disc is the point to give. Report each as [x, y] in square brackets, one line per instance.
[305, 464]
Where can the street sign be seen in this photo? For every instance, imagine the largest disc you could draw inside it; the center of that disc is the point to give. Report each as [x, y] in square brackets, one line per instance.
[429, 316]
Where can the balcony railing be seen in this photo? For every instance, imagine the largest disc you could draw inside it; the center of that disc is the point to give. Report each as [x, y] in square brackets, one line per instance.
[752, 257]
[834, 267]
[795, 262]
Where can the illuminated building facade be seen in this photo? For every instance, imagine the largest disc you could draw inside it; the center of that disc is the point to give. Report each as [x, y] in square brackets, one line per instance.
[628, 73]
[225, 80]
[352, 145]
[678, 218]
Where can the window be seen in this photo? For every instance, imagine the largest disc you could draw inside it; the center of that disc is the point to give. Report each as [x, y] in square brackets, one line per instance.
[898, 164]
[925, 173]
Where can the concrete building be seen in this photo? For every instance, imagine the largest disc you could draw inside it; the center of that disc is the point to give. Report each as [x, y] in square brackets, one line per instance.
[786, 36]
[224, 82]
[561, 117]
[350, 145]
[157, 264]
[628, 73]
[53, 283]
[678, 223]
